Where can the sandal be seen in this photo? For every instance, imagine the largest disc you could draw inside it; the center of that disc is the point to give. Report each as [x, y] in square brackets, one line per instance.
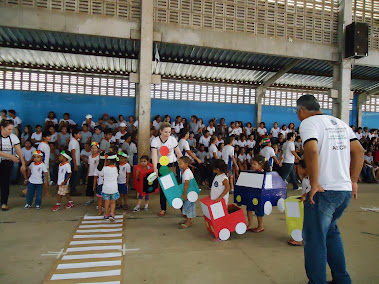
[250, 230]
[216, 240]
[162, 213]
[4, 207]
[295, 243]
[184, 226]
[256, 230]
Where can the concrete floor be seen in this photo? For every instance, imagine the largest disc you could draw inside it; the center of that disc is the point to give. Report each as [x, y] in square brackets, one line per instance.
[169, 255]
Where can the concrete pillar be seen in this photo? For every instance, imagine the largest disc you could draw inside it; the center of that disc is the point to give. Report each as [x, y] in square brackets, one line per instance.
[259, 95]
[342, 79]
[143, 99]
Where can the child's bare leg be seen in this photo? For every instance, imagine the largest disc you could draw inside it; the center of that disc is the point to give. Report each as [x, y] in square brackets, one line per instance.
[250, 219]
[188, 222]
[260, 224]
[125, 197]
[139, 202]
[231, 183]
[100, 204]
[68, 197]
[113, 206]
[106, 205]
[59, 198]
[119, 201]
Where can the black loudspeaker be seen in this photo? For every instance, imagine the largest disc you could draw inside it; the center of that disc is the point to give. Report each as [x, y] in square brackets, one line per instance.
[356, 40]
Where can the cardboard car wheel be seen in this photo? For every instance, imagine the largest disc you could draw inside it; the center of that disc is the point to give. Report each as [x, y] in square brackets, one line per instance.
[280, 205]
[241, 228]
[224, 234]
[192, 196]
[268, 208]
[177, 203]
[297, 235]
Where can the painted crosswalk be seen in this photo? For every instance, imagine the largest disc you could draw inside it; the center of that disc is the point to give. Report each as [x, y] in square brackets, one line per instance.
[93, 255]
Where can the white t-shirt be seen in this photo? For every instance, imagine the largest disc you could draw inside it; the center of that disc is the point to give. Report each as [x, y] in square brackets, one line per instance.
[219, 154]
[211, 130]
[205, 141]
[7, 144]
[37, 137]
[93, 162]
[63, 172]
[37, 172]
[54, 137]
[250, 144]
[262, 131]
[54, 120]
[212, 149]
[184, 147]
[248, 158]
[306, 184]
[187, 175]
[92, 125]
[237, 131]
[70, 121]
[157, 124]
[275, 132]
[124, 170]
[227, 154]
[170, 143]
[268, 153]
[44, 147]
[17, 121]
[74, 145]
[220, 141]
[369, 160]
[118, 137]
[242, 158]
[218, 188]
[177, 127]
[249, 130]
[242, 143]
[288, 157]
[100, 176]
[333, 138]
[365, 134]
[28, 154]
[110, 180]
[284, 132]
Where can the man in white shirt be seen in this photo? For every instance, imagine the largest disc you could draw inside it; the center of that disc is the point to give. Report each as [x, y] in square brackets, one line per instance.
[289, 155]
[74, 148]
[334, 159]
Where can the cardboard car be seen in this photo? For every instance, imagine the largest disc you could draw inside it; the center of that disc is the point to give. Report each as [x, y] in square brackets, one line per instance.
[294, 217]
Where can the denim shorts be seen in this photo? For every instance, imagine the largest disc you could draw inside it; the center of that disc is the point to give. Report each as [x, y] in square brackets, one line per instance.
[113, 196]
[189, 209]
[256, 209]
[99, 189]
[122, 188]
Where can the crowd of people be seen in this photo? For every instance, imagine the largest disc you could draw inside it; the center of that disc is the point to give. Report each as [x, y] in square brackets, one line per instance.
[234, 143]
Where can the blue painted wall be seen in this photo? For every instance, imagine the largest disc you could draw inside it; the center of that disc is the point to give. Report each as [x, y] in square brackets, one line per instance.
[34, 106]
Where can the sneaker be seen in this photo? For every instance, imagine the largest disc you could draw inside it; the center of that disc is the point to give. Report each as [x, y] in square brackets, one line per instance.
[89, 202]
[38, 207]
[146, 208]
[56, 208]
[232, 191]
[51, 183]
[97, 207]
[70, 205]
[299, 188]
[136, 209]
[106, 217]
[112, 218]
[27, 206]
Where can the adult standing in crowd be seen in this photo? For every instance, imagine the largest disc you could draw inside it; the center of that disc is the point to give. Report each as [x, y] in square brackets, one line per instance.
[9, 143]
[289, 155]
[165, 139]
[334, 159]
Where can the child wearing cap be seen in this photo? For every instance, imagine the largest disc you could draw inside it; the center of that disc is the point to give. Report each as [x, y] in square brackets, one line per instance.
[91, 124]
[64, 175]
[120, 133]
[110, 189]
[123, 179]
[93, 161]
[38, 177]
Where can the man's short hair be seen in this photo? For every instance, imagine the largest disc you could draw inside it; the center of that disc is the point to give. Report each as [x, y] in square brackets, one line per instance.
[308, 102]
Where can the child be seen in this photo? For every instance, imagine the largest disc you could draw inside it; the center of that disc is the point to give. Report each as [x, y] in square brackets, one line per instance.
[37, 136]
[242, 160]
[98, 183]
[93, 161]
[219, 150]
[54, 162]
[123, 179]
[189, 208]
[306, 185]
[144, 163]
[229, 159]
[202, 155]
[259, 164]
[220, 186]
[27, 152]
[63, 139]
[39, 175]
[109, 191]
[105, 143]
[64, 175]
[45, 148]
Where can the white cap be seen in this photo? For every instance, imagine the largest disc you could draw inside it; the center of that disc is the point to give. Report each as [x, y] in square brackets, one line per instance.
[122, 124]
[88, 116]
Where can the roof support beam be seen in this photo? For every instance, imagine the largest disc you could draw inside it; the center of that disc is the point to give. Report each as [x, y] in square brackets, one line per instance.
[362, 99]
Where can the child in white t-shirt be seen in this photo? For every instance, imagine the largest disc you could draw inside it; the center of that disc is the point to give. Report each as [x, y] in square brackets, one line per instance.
[123, 179]
[45, 148]
[38, 177]
[98, 183]
[242, 160]
[37, 136]
[306, 185]
[259, 164]
[93, 162]
[110, 188]
[189, 208]
[64, 175]
[220, 186]
[229, 159]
